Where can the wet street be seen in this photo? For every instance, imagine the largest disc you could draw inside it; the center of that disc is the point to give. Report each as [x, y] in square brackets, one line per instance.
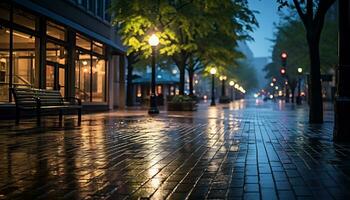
[243, 150]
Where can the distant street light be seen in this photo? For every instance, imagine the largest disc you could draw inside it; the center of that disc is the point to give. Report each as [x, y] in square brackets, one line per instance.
[273, 91]
[232, 84]
[153, 41]
[212, 72]
[223, 90]
[300, 72]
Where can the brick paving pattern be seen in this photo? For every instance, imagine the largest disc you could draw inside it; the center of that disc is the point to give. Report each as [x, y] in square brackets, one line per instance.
[245, 150]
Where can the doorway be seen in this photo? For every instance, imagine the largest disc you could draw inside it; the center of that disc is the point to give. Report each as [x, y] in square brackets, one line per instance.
[55, 76]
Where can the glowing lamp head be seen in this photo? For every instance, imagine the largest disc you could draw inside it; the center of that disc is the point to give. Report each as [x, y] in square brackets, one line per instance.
[300, 70]
[213, 71]
[236, 86]
[283, 71]
[231, 83]
[284, 55]
[271, 84]
[274, 79]
[153, 40]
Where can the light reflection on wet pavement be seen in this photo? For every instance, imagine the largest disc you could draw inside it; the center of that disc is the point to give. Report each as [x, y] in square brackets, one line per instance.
[242, 150]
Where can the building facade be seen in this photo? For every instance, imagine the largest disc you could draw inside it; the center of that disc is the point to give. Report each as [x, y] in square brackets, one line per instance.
[66, 45]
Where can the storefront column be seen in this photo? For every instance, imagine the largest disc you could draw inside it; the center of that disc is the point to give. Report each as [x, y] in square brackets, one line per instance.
[110, 80]
[70, 68]
[118, 81]
[40, 63]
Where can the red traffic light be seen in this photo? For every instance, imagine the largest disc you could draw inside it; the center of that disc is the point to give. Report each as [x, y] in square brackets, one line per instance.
[283, 71]
[284, 55]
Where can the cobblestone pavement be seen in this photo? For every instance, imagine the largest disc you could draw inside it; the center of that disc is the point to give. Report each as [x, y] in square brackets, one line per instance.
[244, 150]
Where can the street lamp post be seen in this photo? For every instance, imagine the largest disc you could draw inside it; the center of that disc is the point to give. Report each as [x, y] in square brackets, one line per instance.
[153, 41]
[286, 86]
[231, 83]
[274, 80]
[237, 95]
[272, 84]
[212, 72]
[223, 90]
[300, 71]
[223, 98]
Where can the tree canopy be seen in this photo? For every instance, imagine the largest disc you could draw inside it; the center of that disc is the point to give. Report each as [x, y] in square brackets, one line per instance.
[290, 37]
[206, 31]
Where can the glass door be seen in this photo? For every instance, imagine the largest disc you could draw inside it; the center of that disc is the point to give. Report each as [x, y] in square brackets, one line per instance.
[55, 76]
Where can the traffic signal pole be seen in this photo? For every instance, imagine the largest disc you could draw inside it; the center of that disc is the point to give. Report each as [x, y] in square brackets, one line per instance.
[283, 71]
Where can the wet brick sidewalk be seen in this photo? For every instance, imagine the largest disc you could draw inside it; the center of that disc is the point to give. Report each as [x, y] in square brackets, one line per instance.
[245, 150]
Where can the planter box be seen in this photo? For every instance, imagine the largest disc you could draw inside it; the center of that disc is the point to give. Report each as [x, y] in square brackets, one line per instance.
[224, 99]
[184, 106]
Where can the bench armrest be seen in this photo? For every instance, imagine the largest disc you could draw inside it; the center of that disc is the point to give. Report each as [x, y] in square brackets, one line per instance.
[76, 100]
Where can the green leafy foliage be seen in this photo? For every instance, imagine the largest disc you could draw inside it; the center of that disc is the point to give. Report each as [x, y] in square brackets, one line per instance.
[290, 37]
[203, 30]
[181, 99]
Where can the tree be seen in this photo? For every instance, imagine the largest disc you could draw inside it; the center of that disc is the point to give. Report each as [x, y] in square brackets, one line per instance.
[182, 27]
[312, 13]
[290, 37]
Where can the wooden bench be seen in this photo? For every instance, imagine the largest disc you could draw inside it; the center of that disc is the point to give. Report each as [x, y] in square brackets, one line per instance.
[41, 100]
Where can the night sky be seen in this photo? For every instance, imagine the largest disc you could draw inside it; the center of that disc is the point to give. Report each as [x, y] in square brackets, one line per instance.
[268, 9]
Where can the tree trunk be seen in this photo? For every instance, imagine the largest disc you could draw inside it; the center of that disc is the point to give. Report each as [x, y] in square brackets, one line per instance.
[129, 88]
[316, 105]
[287, 94]
[190, 76]
[182, 79]
[292, 88]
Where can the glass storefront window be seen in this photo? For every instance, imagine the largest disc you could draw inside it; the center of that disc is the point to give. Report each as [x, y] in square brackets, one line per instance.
[23, 59]
[83, 77]
[92, 6]
[107, 12]
[4, 63]
[99, 4]
[56, 53]
[83, 42]
[98, 79]
[23, 18]
[56, 31]
[50, 77]
[82, 3]
[5, 10]
[97, 47]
